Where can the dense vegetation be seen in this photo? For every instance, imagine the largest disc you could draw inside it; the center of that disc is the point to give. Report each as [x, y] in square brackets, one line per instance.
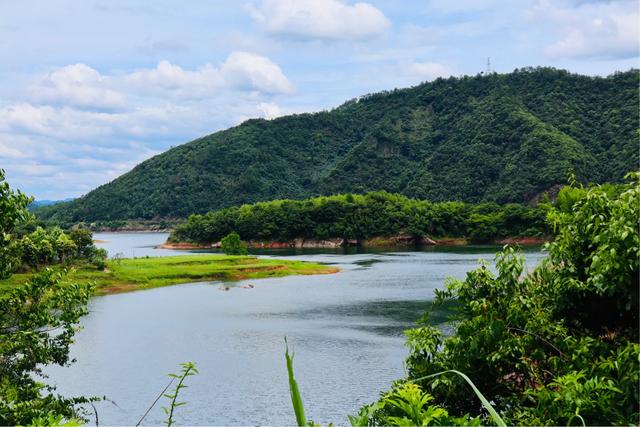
[555, 346]
[493, 138]
[360, 217]
[52, 246]
[27, 246]
[38, 320]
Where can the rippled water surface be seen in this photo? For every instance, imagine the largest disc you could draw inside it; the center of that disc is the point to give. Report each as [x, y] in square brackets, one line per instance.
[345, 329]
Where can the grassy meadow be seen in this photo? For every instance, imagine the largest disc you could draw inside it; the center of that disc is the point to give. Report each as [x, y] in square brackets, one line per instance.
[132, 274]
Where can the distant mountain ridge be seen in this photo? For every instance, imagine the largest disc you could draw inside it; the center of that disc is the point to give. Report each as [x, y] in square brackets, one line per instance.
[499, 137]
[40, 203]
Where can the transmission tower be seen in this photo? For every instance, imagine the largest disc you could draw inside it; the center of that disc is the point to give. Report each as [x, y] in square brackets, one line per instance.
[488, 70]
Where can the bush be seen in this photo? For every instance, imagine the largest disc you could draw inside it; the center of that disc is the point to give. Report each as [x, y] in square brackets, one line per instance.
[232, 245]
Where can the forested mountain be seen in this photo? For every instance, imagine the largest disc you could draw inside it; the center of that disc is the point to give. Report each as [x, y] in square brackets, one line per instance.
[497, 137]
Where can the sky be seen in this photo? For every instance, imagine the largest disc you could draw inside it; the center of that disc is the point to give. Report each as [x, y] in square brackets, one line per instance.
[89, 89]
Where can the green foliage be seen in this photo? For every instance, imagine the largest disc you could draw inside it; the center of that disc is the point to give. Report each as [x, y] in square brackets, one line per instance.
[188, 370]
[232, 245]
[55, 420]
[363, 216]
[99, 258]
[38, 319]
[555, 346]
[408, 405]
[37, 323]
[13, 211]
[44, 247]
[84, 242]
[296, 399]
[496, 138]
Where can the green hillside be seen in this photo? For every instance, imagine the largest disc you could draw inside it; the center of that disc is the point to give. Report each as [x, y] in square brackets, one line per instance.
[498, 138]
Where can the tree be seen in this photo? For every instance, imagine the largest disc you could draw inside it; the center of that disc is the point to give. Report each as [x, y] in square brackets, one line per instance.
[13, 210]
[37, 323]
[83, 240]
[232, 245]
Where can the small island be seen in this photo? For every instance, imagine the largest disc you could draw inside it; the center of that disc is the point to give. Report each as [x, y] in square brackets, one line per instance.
[374, 219]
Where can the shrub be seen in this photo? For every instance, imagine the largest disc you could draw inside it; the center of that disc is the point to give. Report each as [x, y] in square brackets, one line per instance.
[232, 245]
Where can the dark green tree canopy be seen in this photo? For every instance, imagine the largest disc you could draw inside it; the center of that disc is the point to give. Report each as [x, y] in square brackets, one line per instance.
[356, 217]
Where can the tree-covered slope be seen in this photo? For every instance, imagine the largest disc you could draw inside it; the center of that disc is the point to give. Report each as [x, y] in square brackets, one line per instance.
[501, 137]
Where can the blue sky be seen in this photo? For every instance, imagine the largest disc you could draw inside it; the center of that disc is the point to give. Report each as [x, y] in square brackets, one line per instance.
[88, 89]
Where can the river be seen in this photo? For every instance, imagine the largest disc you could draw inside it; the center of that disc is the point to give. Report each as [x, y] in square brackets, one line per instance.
[346, 330]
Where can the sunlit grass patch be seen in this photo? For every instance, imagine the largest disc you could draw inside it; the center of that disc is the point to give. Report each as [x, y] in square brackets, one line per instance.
[130, 274]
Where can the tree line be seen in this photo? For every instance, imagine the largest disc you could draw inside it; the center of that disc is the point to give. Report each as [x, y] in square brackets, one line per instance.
[363, 216]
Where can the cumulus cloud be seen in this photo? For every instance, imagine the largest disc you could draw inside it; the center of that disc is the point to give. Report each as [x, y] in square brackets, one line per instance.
[77, 85]
[74, 129]
[241, 71]
[270, 110]
[76, 125]
[251, 71]
[320, 19]
[170, 77]
[591, 29]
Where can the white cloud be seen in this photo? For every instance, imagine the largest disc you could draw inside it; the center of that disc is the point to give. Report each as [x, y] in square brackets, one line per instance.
[241, 71]
[251, 71]
[320, 19]
[74, 129]
[591, 29]
[170, 77]
[269, 110]
[76, 125]
[77, 85]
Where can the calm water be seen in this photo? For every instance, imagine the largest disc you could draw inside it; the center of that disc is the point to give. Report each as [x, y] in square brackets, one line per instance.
[345, 329]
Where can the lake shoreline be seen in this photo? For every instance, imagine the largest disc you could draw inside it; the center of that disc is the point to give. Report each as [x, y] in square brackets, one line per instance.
[379, 241]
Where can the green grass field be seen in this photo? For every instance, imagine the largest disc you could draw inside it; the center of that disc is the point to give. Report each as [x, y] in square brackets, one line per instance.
[133, 274]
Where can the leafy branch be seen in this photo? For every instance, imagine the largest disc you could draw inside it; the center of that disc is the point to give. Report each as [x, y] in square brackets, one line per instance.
[188, 369]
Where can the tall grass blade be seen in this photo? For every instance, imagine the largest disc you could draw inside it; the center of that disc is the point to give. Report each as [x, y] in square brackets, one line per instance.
[296, 400]
[494, 415]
